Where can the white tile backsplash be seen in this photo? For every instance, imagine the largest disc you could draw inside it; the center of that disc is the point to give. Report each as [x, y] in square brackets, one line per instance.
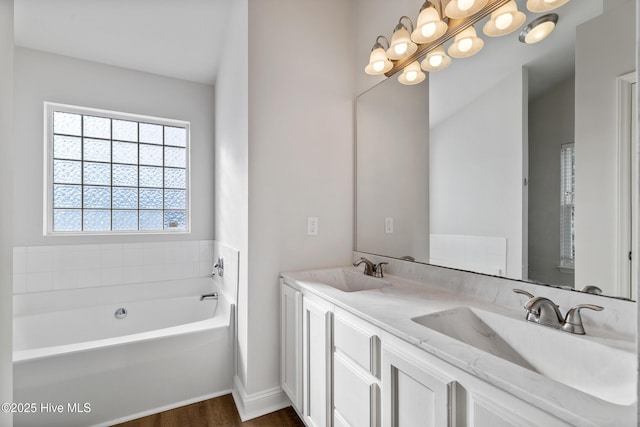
[65, 279]
[19, 283]
[111, 256]
[19, 260]
[40, 281]
[45, 268]
[39, 259]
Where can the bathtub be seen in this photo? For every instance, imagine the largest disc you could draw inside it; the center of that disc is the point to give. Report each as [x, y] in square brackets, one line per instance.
[76, 364]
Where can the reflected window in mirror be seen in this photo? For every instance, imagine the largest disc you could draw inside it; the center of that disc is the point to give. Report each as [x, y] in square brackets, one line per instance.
[567, 206]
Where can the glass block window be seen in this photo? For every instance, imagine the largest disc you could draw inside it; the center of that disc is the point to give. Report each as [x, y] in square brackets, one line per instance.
[111, 172]
[567, 205]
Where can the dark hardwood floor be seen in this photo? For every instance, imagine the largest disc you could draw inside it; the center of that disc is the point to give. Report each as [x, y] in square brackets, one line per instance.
[218, 412]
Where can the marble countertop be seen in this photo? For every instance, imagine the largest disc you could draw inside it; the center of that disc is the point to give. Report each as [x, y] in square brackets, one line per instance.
[392, 309]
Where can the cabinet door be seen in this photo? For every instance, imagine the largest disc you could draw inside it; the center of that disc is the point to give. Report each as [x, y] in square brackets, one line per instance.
[499, 411]
[414, 394]
[316, 355]
[291, 344]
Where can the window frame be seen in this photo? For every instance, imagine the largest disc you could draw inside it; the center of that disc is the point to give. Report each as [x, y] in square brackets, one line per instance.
[567, 210]
[49, 109]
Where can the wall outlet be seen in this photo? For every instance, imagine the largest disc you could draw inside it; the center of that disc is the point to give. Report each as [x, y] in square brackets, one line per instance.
[312, 226]
[388, 225]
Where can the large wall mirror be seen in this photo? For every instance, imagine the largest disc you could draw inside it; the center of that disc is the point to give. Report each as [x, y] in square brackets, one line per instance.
[517, 162]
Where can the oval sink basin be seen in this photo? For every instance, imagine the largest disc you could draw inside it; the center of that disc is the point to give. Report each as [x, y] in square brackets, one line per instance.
[344, 280]
[606, 372]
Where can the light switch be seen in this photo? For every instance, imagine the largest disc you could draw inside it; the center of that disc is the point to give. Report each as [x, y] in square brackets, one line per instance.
[312, 226]
[388, 225]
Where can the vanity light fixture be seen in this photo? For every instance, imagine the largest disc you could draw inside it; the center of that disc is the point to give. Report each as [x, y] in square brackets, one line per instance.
[540, 6]
[436, 60]
[466, 44]
[442, 20]
[401, 44]
[430, 25]
[378, 61]
[504, 21]
[460, 9]
[412, 74]
[539, 29]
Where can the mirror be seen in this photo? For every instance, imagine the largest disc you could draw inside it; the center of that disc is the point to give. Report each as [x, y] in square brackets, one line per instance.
[466, 170]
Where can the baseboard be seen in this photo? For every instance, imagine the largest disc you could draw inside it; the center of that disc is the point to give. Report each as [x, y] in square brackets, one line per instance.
[162, 409]
[258, 404]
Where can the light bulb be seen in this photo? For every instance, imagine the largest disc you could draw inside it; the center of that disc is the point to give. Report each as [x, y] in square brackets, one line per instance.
[465, 4]
[411, 75]
[429, 29]
[503, 21]
[435, 60]
[540, 32]
[400, 48]
[378, 66]
[465, 44]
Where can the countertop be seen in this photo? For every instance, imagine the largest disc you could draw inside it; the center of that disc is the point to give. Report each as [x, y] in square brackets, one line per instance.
[391, 309]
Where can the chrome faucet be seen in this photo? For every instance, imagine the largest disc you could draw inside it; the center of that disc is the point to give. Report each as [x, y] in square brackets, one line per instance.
[369, 267]
[545, 312]
[377, 269]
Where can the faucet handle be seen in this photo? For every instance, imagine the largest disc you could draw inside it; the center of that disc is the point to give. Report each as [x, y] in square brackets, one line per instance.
[520, 291]
[573, 320]
[377, 269]
[592, 289]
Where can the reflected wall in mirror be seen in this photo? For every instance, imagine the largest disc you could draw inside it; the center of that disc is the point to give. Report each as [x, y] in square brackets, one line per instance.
[515, 162]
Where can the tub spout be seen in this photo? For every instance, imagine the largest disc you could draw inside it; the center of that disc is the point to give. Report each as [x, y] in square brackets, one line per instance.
[213, 295]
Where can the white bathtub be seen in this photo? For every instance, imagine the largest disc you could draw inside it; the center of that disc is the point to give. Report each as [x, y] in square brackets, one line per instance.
[75, 364]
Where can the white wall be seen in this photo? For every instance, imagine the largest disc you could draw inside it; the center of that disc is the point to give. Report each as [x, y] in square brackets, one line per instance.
[391, 173]
[43, 77]
[232, 156]
[487, 139]
[6, 213]
[300, 161]
[605, 50]
[551, 124]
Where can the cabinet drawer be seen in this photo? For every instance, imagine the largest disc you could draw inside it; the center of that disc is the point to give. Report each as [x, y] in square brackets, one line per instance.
[361, 344]
[356, 395]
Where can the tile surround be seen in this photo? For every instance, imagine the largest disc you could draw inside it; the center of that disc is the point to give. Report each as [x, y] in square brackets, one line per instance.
[47, 268]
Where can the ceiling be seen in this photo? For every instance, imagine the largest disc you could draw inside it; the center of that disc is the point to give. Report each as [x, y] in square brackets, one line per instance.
[548, 62]
[183, 39]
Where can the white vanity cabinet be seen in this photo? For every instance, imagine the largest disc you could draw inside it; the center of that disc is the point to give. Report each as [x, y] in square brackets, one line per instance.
[415, 393]
[488, 406]
[422, 389]
[306, 344]
[291, 344]
[341, 370]
[356, 372]
[316, 362]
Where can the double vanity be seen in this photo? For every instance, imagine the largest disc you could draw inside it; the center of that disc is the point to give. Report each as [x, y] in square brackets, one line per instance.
[426, 345]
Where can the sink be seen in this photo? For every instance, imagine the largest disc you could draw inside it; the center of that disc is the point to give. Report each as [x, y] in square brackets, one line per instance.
[603, 371]
[344, 280]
